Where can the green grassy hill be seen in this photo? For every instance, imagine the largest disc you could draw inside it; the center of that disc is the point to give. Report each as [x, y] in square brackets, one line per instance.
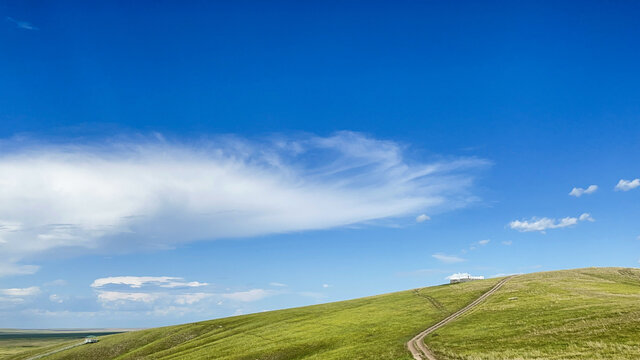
[376, 327]
[574, 314]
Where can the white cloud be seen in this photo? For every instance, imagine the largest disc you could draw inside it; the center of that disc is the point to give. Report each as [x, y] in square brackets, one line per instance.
[586, 217]
[248, 296]
[422, 218]
[57, 282]
[118, 197]
[157, 293]
[189, 299]
[29, 291]
[326, 286]
[507, 242]
[277, 284]
[11, 268]
[475, 245]
[13, 296]
[544, 223]
[626, 185]
[577, 192]
[448, 259]
[113, 296]
[56, 298]
[139, 281]
[11, 300]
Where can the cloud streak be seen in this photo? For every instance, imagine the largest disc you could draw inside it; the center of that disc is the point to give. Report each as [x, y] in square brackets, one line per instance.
[448, 259]
[30, 291]
[22, 24]
[248, 296]
[118, 296]
[152, 194]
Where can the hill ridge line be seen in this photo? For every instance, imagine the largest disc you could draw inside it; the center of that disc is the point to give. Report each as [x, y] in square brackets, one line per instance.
[416, 345]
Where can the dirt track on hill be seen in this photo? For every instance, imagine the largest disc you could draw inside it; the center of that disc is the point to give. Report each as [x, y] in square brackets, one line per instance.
[56, 351]
[416, 345]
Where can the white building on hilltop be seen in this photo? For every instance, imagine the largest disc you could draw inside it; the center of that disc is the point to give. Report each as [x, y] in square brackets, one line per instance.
[463, 277]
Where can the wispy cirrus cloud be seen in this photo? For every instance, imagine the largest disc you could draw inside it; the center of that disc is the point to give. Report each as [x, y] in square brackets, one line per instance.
[14, 296]
[116, 296]
[475, 245]
[626, 185]
[25, 25]
[123, 196]
[192, 298]
[249, 295]
[448, 259]
[543, 224]
[29, 291]
[577, 192]
[10, 267]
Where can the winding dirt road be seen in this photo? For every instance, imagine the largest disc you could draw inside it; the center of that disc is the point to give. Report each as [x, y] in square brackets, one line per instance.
[416, 345]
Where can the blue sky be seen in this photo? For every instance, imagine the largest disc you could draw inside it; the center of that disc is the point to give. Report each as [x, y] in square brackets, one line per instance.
[163, 162]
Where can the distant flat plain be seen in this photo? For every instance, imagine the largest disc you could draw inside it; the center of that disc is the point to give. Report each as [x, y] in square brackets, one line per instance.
[14, 341]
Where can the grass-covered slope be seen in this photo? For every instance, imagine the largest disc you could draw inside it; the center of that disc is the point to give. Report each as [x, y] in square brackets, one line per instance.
[574, 314]
[369, 328]
[11, 346]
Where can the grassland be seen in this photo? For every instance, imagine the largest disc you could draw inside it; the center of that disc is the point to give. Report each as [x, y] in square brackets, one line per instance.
[369, 328]
[9, 347]
[575, 314]
[23, 342]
